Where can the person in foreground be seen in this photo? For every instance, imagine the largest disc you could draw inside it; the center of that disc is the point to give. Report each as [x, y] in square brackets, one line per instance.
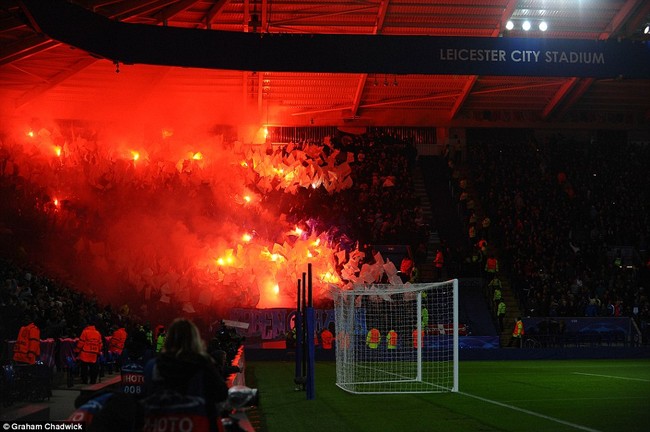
[183, 369]
[182, 387]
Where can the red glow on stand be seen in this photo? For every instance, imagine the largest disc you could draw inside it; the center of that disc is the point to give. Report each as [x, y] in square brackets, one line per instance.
[197, 225]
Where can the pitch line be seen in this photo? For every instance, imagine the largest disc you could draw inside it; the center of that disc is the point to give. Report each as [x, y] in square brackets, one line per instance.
[612, 376]
[533, 413]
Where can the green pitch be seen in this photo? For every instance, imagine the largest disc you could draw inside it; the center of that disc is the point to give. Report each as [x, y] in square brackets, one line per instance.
[517, 396]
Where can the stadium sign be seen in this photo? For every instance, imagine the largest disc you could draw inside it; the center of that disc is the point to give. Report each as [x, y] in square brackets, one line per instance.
[499, 56]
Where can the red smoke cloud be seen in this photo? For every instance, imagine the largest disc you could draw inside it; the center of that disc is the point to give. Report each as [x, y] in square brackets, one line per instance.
[164, 219]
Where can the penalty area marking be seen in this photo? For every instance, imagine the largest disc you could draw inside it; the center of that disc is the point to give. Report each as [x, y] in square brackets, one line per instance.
[533, 413]
[612, 376]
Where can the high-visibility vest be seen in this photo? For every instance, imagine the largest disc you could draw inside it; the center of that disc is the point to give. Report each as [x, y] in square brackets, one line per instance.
[327, 337]
[501, 309]
[518, 331]
[492, 265]
[495, 283]
[415, 337]
[117, 341]
[89, 345]
[406, 266]
[391, 339]
[439, 260]
[372, 340]
[160, 341]
[28, 344]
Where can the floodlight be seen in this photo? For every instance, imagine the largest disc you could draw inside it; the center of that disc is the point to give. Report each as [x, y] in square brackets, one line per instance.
[510, 25]
[526, 25]
[543, 26]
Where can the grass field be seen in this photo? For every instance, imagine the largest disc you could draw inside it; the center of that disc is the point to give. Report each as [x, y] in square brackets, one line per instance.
[522, 396]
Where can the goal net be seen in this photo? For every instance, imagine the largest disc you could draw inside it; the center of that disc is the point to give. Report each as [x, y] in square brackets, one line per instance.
[397, 338]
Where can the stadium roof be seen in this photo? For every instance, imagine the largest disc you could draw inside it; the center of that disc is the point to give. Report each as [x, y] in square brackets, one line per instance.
[38, 72]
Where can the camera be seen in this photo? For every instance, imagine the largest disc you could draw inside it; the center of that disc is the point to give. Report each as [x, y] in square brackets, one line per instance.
[241, 397]
[233, 417]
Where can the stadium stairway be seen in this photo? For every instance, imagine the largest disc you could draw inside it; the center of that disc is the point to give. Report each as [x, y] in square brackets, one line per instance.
[444, 214]
[433, 241]
[473, 308]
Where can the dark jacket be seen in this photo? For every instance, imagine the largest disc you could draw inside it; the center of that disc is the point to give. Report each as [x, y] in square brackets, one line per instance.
[174, 373]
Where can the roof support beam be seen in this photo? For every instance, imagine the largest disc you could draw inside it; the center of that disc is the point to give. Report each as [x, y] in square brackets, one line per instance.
[260, 99]
[580, 89]
[471, 80]
[637, 20]
[246, 18]
[453, 94]
[361, 84]
[558, 97]
[317, 15]
[174, 9]
[363, 78]
[574, 88]
[127, 9]
[506, 15]
[460, 100]
[25, 48]
[214, 12]
[381, 17]
[265, 16]
[619, 20]
[55, 80]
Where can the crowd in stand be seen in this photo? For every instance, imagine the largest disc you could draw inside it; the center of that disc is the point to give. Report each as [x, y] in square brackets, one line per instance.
[567, 223]
[570, 223]
[561, 217]
[380, 208]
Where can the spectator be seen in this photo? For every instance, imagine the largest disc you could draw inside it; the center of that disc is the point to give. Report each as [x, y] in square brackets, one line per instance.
[327, 338]
[185, 367]
[491, 267]
[495, 286]
[160, 338]
[438, 263]
[225, 368]
[501, 314]
[406, 268]
[517, 334]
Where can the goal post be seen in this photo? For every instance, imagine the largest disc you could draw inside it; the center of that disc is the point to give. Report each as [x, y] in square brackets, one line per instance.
[397, 338]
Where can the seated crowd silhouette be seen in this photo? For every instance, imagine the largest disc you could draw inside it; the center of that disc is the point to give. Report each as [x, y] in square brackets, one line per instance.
[569, 222]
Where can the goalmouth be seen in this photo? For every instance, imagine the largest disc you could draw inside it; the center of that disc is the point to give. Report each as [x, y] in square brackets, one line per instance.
[397, 338]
